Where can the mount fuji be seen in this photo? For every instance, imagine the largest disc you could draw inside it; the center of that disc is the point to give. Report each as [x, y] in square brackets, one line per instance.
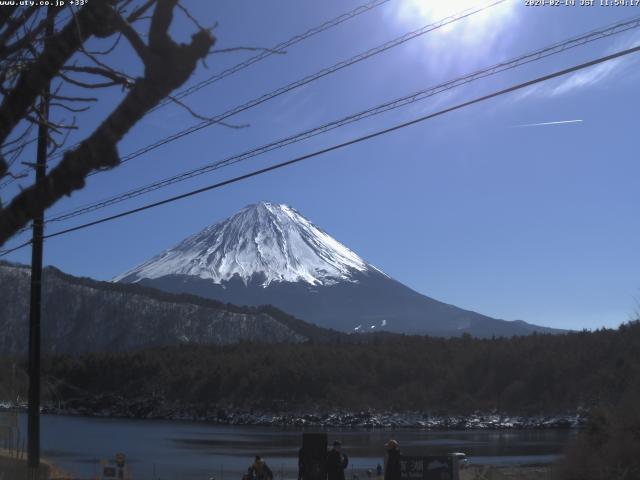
[270, 254]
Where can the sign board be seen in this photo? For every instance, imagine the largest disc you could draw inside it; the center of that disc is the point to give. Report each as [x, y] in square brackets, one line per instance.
[431, 467]
[439, 468]
[313, 456]
[118, 471]
[411, 468]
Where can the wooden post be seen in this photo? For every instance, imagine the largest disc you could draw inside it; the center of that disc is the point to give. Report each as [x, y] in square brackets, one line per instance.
[33, 429]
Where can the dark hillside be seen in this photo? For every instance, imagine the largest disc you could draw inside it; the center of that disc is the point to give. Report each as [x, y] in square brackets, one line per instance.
[81, 315]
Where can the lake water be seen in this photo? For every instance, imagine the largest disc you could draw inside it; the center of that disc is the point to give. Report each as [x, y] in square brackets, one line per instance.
[193, 451]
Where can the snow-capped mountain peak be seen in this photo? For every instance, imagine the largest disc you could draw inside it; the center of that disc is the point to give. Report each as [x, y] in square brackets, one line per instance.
[268, 241]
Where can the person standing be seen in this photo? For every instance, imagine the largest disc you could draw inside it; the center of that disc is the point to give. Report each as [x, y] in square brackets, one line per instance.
[393, 470]
[337, 462]
[259, 470]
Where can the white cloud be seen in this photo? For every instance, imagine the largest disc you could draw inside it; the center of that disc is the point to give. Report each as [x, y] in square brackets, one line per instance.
[588, 78]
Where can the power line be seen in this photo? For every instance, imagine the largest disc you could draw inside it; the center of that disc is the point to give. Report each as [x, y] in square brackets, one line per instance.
[297, 84]
[341, 145]
[310, 78]
[278, 48]
[11, 250]
[275, 49]
[554, 49]
[353, 141]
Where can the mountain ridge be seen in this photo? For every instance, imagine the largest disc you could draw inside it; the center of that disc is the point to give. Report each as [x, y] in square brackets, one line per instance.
[270, 254]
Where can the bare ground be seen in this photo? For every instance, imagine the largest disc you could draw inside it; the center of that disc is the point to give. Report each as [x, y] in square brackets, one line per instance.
[516, 472]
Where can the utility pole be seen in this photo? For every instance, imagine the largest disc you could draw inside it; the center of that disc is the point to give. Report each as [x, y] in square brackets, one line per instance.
[33, 428]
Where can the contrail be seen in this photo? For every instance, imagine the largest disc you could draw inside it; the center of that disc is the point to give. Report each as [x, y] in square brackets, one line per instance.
[547, 123]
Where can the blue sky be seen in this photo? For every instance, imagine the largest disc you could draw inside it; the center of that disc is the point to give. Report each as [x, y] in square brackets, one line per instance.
[536, 223]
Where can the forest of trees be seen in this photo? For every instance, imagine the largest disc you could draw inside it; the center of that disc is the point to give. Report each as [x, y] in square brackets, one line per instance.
[527, 375]
[609, 447]
[537, 374]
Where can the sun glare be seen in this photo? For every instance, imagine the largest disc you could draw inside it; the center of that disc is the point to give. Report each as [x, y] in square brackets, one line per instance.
[469, 30]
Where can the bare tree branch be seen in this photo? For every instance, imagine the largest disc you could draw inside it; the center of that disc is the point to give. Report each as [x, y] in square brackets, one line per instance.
[29, 37]
[203, 117]
[167, 66]
[134, 39]
[68, 108]
[81, 84]
[14, 24]
[192, 18]
[74, 99]
[138, 13]
[108, 50]
[249, 49]
[17, 139]
[6, 13]
[58, 145]
[57, 52]
[115, 77]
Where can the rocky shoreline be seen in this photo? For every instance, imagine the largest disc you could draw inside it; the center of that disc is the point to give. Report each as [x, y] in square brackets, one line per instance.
[157, 408]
